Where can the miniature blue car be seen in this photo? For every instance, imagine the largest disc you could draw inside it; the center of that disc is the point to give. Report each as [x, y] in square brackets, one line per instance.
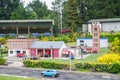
[50, 73]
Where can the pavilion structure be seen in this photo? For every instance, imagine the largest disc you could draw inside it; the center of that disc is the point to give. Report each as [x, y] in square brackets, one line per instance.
[26, 26]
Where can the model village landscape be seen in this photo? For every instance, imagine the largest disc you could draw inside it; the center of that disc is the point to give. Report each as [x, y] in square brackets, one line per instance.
[37, 44]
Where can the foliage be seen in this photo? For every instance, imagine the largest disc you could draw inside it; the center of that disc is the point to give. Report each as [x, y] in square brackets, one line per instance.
[15, 9]
[98, 67]
[65, 38]
[2, 61]
[45, 38]
[110, 36]
[7, 7]
[109, 58]
[45, 64]
[73, 36]
[115, 45]
[2, 40]
[73, 16]
[18, 13]
[39, 8]
[5, 77]
[22, 13]
[56, 39]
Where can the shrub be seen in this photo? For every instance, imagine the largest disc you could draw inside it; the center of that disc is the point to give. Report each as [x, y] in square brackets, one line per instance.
[115, 46]
[98, 67]
[45, 64]
[2, 61]
[109, 58]
[65, 38]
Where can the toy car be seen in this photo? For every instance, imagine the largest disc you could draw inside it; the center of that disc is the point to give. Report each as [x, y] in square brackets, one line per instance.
[50, 73]
[20, 55]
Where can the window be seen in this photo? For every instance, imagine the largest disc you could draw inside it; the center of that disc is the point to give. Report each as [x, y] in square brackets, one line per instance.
[11, 52]
[95, 29]
[81, 41]
[24, 52]
[81, 44]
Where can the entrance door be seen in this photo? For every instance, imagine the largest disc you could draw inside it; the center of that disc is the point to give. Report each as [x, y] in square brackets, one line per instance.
[33, 52]
[55, 53]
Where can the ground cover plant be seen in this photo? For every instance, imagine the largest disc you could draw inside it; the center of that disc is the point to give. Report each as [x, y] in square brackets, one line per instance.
[8, 77]
[2, 61]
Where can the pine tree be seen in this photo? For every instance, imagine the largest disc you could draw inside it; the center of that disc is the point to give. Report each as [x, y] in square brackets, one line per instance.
[73, 16]
[6, 8]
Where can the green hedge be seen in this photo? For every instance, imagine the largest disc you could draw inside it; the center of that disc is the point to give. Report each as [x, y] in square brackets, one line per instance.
[99, 67]
[86, 66]
[110, 37]
[2, 61]
[45, 64]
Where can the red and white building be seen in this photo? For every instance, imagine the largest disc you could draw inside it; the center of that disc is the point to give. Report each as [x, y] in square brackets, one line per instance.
[34, 47]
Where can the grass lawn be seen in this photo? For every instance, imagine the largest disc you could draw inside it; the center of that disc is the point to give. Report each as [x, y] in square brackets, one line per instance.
[94, 57]
[5, 77]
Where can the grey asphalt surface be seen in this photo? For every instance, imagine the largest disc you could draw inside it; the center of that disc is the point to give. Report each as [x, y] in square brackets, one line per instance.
[64, 75]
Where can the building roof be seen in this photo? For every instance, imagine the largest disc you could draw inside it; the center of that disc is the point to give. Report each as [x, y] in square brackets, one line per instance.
[105, 20]
[26, 23]
[89, 38]
[48, 44]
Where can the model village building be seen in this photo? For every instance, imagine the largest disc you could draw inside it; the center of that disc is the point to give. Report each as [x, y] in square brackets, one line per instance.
[106, 25]
[35, 48]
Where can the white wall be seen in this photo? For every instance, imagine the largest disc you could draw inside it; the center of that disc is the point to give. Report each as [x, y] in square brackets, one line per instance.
[15, 53]
[61, 49]
[108, 27]
[103, 43]
[113, 26]
[89, 28]
[88, 42]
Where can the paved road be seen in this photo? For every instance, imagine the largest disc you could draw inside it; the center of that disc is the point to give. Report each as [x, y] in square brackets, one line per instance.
[64, 75]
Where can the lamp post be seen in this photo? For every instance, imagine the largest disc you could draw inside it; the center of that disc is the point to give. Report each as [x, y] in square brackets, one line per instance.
[81, 51]
[61, 17]
[70, 63]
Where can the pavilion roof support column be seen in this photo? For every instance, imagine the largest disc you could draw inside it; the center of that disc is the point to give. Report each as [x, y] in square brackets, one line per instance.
[28, 31]
[51, 30]
[17, 32]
